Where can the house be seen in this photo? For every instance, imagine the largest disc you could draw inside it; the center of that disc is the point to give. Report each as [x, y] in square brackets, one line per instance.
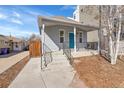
[10, 44]
[4, 45]
[59, 32]
[88, 15]
[16, 44]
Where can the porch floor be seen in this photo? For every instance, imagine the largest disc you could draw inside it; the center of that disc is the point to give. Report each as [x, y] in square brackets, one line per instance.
[84, 52]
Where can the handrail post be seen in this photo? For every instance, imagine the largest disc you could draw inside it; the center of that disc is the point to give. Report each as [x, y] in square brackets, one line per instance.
[63, 48]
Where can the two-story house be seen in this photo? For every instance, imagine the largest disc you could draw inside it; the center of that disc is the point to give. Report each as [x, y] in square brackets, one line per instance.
[88, 15]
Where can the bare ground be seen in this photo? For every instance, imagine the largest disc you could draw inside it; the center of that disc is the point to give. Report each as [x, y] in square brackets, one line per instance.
[95, 71]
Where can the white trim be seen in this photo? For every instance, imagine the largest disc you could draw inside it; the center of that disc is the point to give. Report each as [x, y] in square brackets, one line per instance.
[60, 36]
[75, 44]
[42, 34]
[79, 36]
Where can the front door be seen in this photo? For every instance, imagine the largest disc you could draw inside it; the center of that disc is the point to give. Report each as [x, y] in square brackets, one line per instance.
[71, 40]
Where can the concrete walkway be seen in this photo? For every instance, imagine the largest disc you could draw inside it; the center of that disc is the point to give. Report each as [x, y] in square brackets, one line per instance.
[7, 62]
[30, 76]
[58, 74]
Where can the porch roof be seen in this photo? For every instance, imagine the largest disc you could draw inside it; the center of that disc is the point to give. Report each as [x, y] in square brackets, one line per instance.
[59, 20]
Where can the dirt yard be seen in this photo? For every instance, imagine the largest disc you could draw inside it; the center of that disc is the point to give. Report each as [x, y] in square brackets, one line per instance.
[95, 72]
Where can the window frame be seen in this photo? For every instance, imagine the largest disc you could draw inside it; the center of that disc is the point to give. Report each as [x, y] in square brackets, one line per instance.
[62, 36]
[80, 37]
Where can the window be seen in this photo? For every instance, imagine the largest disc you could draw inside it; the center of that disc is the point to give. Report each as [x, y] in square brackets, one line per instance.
[115, 22]
[122, 36]
[81, 10]
[74, 16]
[80, 37]
[16, 44]
[6, 43]
[61, 36]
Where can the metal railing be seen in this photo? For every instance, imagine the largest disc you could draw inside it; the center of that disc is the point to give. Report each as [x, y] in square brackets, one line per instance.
[67, 52]
[47, 55]
[86, 45]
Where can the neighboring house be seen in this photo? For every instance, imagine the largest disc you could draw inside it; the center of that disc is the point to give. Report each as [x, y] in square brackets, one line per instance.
[88, 15]
[4, 45]
[17, 44]
[59, 32]
[9, 44]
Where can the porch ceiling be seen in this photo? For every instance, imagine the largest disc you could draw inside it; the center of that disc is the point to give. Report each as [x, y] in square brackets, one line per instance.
[52, 21]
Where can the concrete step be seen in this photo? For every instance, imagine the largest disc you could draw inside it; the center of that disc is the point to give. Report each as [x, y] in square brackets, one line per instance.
[59, 61]
[57, 53]
[59, 58]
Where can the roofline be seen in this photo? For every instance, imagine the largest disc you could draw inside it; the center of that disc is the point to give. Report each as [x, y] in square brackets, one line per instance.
[57, 20]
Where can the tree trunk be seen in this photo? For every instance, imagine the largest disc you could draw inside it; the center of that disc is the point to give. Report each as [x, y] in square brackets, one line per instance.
[117, 42]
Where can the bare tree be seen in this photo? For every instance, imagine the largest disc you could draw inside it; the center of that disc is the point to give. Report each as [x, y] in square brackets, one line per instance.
[111, 21]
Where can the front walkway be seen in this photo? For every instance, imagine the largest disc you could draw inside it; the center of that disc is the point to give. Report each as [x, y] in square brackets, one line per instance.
[58, 74]
[30, 76]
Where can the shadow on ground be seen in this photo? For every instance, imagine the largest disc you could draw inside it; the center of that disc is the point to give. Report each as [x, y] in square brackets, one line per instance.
[10, 54]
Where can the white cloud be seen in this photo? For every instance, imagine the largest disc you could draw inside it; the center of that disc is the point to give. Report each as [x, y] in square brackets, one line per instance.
[16, 14]
[16, 32]
[34, 13]
[3, 16]
[17, 21]
[65, 7]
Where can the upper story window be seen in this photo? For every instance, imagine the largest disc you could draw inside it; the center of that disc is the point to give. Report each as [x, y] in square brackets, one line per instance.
[81, 10]
[115, 22]
[80, 37]
[74, 16]
[122, 36]
[61, 35]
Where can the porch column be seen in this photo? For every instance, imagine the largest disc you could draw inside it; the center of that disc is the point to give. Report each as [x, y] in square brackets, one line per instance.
[75, 44]
[42, 34]
[99, 40]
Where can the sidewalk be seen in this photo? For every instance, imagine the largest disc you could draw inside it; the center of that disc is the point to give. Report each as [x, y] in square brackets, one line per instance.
[30, 76]
[7, 62]
[58, 74]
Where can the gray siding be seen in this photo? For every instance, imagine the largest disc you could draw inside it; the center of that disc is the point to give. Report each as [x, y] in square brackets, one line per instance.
[52, 37]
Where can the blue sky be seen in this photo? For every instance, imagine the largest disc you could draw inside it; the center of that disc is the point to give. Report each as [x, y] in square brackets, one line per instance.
[21, 21]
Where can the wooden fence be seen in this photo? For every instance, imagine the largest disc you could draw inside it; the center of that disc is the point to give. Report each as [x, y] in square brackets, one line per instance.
[35, 48]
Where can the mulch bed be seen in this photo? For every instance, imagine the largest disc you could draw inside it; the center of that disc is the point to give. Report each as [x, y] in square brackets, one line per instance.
[96, 72]
[10, 74]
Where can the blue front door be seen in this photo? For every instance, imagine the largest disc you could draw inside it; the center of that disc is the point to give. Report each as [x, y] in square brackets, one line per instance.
[71, 40]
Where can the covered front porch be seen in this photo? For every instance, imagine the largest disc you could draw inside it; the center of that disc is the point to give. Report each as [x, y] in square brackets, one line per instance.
[63, 33]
